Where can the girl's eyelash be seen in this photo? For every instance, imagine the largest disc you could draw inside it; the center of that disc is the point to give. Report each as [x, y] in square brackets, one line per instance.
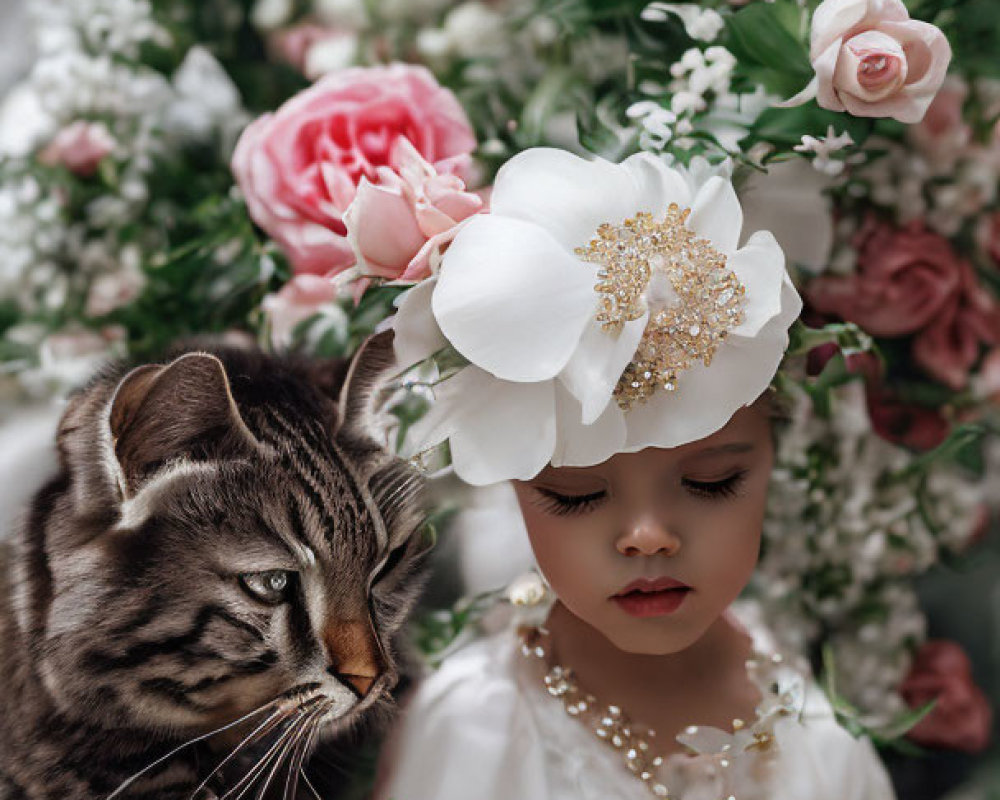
[562, 504]
[713, 490]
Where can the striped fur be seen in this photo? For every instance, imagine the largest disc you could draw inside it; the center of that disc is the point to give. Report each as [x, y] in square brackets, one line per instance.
[124, 628]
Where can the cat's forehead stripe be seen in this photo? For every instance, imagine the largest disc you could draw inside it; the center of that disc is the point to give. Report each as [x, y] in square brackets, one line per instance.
[311, 453]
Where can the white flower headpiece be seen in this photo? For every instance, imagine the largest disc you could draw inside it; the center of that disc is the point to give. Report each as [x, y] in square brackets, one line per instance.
[602, 309]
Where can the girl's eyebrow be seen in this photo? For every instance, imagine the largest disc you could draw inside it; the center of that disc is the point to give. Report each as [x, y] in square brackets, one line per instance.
[722, 449]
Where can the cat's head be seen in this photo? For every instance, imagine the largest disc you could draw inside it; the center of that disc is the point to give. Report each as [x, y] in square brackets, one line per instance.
[231, 532]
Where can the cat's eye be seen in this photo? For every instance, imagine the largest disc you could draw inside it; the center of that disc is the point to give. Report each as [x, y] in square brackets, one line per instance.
[271, 587]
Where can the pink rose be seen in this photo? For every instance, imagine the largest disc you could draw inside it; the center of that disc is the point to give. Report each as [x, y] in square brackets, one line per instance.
[292, 45]
[943, 132]
[988, 236]
[399, 225]
[300, 166]
[950, 345]
[917, 427]
[299, 299]
[872, 60]
[989, 376]
[961, 719]
[80, 147]
[905, 278]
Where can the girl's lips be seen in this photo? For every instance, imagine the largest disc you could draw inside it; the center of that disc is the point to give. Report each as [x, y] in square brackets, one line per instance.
[652, 585]
[652, 604]
[654, 597]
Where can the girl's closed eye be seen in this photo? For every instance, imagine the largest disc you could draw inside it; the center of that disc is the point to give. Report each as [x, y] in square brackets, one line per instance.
[558, 503]
[722, 488]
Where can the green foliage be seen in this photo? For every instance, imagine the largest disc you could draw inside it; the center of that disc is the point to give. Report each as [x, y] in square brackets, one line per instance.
[437, 633]
[768, 41]
[886, 735]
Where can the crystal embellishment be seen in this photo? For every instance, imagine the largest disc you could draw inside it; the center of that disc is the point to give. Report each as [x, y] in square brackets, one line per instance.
[694, 301]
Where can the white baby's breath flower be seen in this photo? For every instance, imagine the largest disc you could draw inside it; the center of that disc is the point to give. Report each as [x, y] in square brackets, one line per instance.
[657, 124]
[269, 15]
[824, 147]
[704, 24]
[526, 590]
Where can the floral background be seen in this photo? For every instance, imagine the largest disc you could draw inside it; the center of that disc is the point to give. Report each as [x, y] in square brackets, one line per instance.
[179, 168]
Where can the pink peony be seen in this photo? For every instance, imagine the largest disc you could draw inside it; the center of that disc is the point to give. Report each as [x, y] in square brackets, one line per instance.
[950, 345]
[905, 278]
[302, 297]
[300, 166]
[961, 719]
[872, 60]
[400, 225]
[80, 147]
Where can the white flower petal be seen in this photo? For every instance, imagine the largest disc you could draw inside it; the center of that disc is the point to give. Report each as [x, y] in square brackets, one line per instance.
[511, 300]
[656, 184]
[716, 214]
[707, 397]
[501, 430]
[760, 267]
[593, 371]
[579, 445]
[417, 335]
[568, 196]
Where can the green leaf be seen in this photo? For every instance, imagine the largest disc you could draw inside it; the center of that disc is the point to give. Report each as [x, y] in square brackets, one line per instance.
[767, 35]
[785, 127]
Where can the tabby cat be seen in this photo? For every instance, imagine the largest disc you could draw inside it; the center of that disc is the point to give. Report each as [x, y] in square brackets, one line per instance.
[225, 543]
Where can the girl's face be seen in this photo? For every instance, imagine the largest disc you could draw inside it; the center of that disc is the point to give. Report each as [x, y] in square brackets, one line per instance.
[649, 548]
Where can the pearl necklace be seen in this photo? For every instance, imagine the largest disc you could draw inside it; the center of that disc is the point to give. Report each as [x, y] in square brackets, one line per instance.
[609, 724]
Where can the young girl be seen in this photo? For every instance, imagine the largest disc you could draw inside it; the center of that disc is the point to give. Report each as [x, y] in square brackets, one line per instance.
[619, 345]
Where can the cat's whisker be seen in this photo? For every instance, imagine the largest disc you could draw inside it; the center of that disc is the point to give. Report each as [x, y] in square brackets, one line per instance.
[295, 711]
[302, 727]
[228, 726]
[309, 784]
[297, 727]
[256, 734]
[295, 766]
[247, 781]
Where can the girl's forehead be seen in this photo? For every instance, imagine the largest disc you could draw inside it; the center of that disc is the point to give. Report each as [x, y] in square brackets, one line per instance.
[749, 429]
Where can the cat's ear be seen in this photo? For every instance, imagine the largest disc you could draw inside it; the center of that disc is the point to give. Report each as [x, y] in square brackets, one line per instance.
[181, 411]
[359, 394]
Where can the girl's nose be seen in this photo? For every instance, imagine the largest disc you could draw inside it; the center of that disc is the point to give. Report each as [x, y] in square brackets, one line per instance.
[648, 536]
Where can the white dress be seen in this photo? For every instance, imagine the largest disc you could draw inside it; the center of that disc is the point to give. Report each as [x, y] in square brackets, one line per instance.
[484, 727]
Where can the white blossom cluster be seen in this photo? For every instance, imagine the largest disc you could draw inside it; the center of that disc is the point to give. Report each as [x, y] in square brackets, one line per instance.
[98, 27]
[947, 194]
[53, 256]
[848, 524]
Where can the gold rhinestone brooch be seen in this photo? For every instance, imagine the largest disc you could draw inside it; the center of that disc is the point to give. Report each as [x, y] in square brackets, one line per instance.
[694, 301]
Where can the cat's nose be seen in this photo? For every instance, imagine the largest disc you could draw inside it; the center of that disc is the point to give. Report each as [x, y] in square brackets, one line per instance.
[362, 683]
[355, 655]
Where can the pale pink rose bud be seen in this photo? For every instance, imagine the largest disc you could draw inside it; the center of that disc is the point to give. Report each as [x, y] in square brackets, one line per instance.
[79, 147]
[400, 225]
[298, 300]
[872, 60]
[872, 66]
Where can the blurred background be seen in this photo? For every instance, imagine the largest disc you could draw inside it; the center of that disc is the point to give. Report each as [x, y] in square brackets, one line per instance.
[123, 227]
